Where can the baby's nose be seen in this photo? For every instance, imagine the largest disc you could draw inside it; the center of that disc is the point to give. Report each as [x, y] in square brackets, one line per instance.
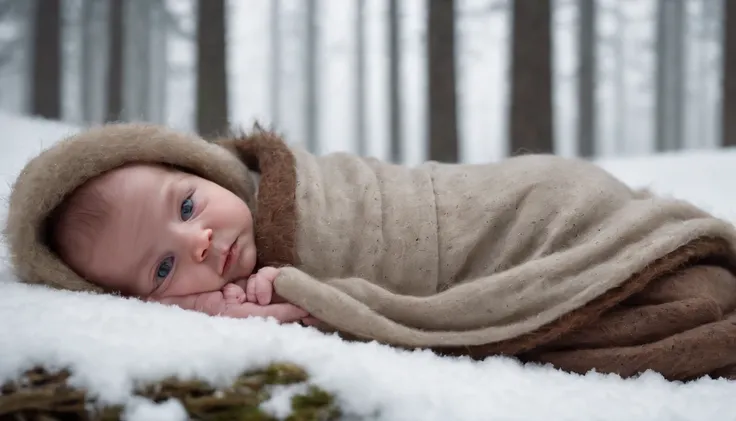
[202, 243]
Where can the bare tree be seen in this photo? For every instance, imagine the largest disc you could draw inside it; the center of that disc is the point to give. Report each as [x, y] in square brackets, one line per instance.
[212, 101]
[531, 122]
[275, 62]
[394, 67]
[586, 78]
[46, 69]
[138, 59]
[115, 63]
[87, 66]
[620, 77]
[443, 138]
[728, 117]
[360, 126]
[312, 77]
[678, 32]
[713, 30]
[670, 75]
[159, 67]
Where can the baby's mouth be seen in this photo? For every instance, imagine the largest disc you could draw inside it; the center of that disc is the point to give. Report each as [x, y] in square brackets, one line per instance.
[229, 257]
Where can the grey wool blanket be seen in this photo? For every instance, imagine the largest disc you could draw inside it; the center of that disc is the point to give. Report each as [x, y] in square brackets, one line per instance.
[541, 257]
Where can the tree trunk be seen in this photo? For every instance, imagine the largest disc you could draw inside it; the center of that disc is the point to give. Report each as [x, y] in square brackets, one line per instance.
[678, 31]
[275, 62]
[443, 138]
[311, 105]
[137, 60]
[586, 78]
[620, 83]
[145, 74]
[394, 63]
[360, 126]
[46, 86]
[212, 100]
[728, 117]
[670, 79]
[94, 44]
[86, 70]
[115, 62]
[159, 63]
[531, 122]
[660, 134]
[702, 67]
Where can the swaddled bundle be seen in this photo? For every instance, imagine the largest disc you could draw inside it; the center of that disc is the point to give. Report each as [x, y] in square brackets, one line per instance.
[540, 257]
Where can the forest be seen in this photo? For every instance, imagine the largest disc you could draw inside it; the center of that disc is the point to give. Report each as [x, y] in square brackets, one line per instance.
[412, 80]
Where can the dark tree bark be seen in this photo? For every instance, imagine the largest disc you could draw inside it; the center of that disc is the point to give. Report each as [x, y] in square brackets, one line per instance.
[443, 138]
[728, 117]
[212, 102]
[275, 77]
[670, 77]
[394, 76]
[360, 60]
[46, 68]
[311, 77]
[115, 66]
[531, 122]
[586, 79]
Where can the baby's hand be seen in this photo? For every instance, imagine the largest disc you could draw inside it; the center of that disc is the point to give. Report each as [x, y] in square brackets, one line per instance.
[216, 304]
[263, 301]
[283, 312]
[233, 294]
[245, 298]
[211, 303]
[259, 286]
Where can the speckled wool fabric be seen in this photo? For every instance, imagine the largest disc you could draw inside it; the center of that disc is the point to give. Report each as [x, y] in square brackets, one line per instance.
[464, 255]
[521, 257]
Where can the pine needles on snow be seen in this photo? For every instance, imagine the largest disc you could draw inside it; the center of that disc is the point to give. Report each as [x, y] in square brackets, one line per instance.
[43, 395]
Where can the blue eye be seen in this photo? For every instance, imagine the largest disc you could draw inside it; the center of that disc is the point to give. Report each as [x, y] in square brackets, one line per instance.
[187, 207]
[164, 268]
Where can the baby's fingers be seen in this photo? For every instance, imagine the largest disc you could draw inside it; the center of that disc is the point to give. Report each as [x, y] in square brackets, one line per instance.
[233, 293]
[284, 313]
[259, 290]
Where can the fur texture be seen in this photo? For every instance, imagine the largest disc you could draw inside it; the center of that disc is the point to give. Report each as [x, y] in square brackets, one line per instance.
[49, 177]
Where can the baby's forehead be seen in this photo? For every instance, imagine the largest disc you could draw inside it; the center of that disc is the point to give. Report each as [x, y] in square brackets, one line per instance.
[132, 178]
[111, 195]
[135, 170]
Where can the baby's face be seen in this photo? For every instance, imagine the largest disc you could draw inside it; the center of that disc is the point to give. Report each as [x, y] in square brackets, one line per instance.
[172, 234]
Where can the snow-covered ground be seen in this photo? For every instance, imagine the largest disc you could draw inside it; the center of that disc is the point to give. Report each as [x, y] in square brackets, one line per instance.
[109, 343]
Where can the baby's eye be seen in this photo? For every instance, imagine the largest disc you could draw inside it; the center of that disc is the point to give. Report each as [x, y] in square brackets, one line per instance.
[187, 207]
[164, 268]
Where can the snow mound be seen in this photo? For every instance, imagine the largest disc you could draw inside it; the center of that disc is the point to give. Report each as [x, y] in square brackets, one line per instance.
[111, 344]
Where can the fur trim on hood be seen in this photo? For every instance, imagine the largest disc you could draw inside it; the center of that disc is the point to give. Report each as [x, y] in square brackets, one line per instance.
[50, 177]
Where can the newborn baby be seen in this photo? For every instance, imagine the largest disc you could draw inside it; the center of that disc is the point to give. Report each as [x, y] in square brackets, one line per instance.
[165, 235]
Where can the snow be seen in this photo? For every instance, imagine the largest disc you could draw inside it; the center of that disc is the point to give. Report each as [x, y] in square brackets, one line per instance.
[110, 343]
[701, 176]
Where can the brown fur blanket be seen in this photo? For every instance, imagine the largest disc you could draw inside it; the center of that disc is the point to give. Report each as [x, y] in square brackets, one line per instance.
[541, 257]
